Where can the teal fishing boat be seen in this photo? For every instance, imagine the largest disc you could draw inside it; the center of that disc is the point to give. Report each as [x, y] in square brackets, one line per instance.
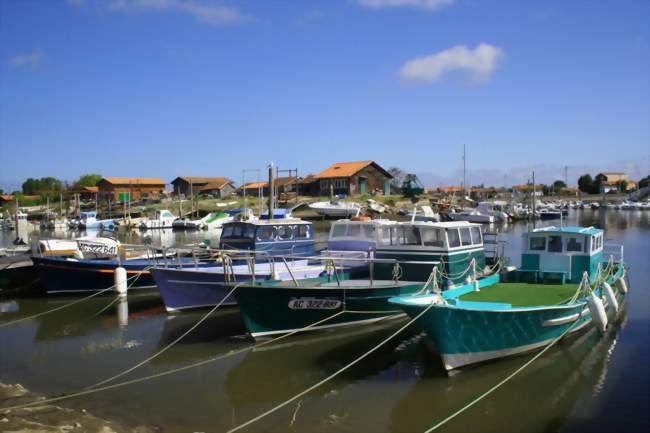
[566, 282]
[404, 261]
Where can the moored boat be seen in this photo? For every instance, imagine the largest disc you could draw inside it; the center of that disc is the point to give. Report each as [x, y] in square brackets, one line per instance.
[555, 292]
[341, 209]
[245, 251]
[405, 259]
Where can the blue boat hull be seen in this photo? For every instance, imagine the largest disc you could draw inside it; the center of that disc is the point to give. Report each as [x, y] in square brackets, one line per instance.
[188, 289]
[182, 290]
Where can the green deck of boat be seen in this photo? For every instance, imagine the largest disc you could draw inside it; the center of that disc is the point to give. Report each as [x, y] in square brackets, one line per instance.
[523, 294]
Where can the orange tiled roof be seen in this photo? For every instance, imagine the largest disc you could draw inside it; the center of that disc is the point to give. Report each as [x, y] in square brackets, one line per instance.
[7, 197]
[254, 185]
[347, 169]
[199, 179]
[154, 181]
[526, 187]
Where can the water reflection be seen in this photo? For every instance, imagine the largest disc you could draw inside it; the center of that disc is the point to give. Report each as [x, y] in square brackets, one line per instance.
[401, 387]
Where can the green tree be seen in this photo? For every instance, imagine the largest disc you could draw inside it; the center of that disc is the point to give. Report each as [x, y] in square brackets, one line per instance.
[90, 179]
[45, 184]
[398, 177]
[644, 182]
[621, 185]
[558, 186]
[585, 183]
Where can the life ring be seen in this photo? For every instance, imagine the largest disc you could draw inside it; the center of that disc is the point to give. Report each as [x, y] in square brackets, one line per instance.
[360, 218]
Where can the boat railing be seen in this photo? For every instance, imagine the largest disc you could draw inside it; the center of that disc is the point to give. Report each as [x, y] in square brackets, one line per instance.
[614, 252]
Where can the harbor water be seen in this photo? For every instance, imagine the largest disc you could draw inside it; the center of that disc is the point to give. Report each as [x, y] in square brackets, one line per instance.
[588, 382]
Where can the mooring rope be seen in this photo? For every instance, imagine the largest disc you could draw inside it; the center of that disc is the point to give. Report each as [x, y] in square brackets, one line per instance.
[117, 298]
[22, 319]
[169, 346]
[168, 372]
[498, 385]
[331, 376]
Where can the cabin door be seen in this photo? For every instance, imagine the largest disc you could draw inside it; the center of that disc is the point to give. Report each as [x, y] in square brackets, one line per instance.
[387, 187]
[362, 185]
[555, 262]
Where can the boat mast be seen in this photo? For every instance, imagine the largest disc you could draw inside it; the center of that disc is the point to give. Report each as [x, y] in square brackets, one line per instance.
[271, 192]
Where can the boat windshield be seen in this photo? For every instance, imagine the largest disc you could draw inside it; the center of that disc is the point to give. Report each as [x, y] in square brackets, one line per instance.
[365, 231]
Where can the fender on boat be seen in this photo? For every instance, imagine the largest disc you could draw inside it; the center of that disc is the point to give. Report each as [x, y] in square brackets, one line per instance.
[622, 285]
[610, 297]
[597, 310]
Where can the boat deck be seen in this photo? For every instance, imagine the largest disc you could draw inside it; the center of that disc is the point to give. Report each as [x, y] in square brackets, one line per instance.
[523, 294]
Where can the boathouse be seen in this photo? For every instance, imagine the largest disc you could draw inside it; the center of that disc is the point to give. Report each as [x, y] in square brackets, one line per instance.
[614, 183]
[352, 178]
[120, 189]
[217, 186]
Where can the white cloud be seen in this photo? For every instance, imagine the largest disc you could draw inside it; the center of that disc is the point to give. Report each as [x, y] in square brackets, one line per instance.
[211, 12]
[431, 5]
[30, 60]
[478, 64]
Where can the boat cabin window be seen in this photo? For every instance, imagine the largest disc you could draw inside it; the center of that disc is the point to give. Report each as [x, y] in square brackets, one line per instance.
[401, 236]
[285, 232]
[339, 230]
[574, 244]
[368, 231]
[454, 238]
[432, 237]
[302, 231]
[266, 233]
[411, 236]
[354, 230]
[476, 235]
[554, 244]
[465, 237]
[538, 243]
[384, 235]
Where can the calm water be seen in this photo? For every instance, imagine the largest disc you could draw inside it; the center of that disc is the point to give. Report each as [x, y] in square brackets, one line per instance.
[586, 383]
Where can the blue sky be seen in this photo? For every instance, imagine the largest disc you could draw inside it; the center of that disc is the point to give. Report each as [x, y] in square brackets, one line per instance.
[145, 88]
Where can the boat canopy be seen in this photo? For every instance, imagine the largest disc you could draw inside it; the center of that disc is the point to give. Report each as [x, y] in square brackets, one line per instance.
[565, 240]
[287, 235]
[436, 235]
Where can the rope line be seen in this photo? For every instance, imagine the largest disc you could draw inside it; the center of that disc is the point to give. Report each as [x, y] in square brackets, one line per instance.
[331, 376]
[167, 372]
[135, 277]
[498, 385]
[169, 346]
[106, 307]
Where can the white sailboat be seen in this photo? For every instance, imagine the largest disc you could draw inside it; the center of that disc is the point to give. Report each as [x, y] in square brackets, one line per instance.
[162, 219]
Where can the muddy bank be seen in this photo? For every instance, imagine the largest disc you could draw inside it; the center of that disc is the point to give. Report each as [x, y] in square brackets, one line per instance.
[46, 418]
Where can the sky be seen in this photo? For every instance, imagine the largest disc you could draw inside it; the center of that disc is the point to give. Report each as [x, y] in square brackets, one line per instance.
[166, 88]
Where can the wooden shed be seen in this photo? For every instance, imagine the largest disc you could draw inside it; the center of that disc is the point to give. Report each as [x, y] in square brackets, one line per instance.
[120, 189]
[352, 178]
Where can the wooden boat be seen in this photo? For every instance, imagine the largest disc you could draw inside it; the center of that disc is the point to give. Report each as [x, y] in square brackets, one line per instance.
[403, 263]
[556, 291]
